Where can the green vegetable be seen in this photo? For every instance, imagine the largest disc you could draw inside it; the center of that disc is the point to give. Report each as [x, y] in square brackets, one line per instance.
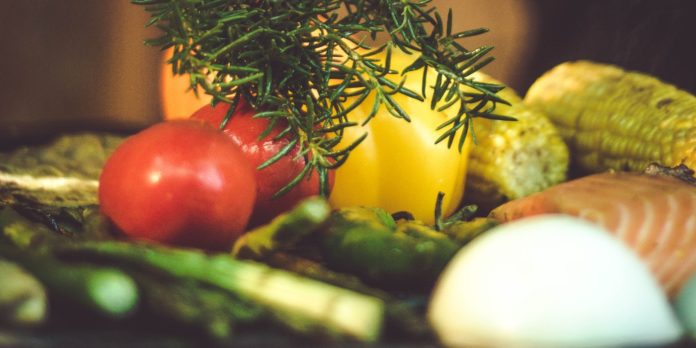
[56, 183]
[56, 233]
[27, 234]
[80, 156]
[403, 318]
[284, 231]
[299, 61]
[368, 242]
[104, 290]
[299, 303]
[353, 315]
[465, 231]
[213, 311]
[22, 297]
[36, 236]
[69, 212]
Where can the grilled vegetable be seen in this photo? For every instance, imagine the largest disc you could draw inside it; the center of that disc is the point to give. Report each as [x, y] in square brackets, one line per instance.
[366, 241]
[284, 231]
[300, 304]
[103, 290]
[213, 311]
[78, 156]
[402, 316]
[398, 166]
[22, 297]
[616, 119]
[463, 232]
[513, 159]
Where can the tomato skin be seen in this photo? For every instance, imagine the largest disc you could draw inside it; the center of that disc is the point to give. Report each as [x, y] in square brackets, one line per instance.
[245, 131]
[179, 182]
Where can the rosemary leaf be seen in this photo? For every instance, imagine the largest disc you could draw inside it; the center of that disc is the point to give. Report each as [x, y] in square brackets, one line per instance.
[299, 61]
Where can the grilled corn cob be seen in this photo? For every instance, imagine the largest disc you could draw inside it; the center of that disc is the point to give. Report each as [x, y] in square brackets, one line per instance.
[616, 119]
[513, 159]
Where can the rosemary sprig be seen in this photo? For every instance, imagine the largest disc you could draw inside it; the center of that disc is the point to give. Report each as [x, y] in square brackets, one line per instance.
[300, 61]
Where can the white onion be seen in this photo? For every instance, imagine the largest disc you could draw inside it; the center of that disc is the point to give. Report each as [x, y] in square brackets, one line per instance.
[550, 281]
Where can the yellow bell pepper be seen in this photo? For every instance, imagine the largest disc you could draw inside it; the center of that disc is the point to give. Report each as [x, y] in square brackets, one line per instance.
[398, 167]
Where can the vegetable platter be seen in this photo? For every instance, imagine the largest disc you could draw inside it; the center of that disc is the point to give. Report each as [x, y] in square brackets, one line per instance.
[329, 190]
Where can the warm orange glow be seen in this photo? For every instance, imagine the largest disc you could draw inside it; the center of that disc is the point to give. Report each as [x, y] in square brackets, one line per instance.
[178, 100]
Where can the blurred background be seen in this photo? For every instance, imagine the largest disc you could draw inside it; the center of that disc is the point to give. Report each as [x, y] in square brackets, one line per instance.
[69, 65]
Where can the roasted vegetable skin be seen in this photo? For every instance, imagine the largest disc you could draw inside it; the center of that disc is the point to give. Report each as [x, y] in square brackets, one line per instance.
[398, 166]
[284, 231]
[282, 242]
[616, 119]
[332, 311]
[209, 293]
[106, 291]
[512, 159]
[22, 297]
[368, 242]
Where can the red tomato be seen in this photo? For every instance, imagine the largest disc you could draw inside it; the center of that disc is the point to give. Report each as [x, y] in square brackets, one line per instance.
[179, 182]
[245, 132]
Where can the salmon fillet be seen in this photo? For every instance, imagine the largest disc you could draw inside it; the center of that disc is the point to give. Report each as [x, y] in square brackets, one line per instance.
[653, 215]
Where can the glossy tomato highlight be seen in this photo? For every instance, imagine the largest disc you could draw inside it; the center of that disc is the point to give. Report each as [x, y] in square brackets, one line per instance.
[179, 182]
[245, 131]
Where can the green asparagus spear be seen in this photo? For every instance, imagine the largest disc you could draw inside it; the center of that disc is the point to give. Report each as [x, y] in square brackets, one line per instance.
[212, 310]
[22, 297]
[284, 231]
[301, 304]
[401, 316]
[368, 242]
[104, 290]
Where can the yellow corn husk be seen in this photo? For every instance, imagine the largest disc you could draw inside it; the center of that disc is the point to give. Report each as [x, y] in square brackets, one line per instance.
[513, 159]
[616, 119]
